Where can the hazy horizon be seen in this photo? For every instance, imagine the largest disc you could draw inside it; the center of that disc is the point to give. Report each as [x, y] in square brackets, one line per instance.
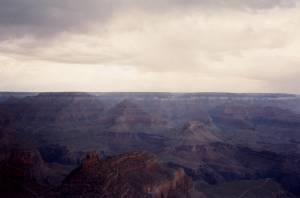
[152, 92]
[150, 46]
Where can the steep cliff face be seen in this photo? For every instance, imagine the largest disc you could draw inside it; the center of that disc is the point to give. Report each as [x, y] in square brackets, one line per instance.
[127, 175]
[178, 186]
[259, 127]
[64, 118]
[216, 163]
[53, 108]
[128, 117]
[55, 153]
[198, 132]
[23, 173]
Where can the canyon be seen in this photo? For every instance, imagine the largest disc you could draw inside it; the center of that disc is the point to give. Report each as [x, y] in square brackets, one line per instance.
[149, 145]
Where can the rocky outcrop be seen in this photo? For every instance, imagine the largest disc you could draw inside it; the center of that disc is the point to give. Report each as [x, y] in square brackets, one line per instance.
[168, 188]
[128, 175]
[198, 132]
[92, 158]
[217, 163]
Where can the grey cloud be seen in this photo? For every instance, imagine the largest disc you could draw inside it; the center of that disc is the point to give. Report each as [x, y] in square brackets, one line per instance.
[47, 17]
[49, 12]
[250, 4]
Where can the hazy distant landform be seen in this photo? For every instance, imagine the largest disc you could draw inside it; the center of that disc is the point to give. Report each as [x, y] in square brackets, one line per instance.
[161, 145]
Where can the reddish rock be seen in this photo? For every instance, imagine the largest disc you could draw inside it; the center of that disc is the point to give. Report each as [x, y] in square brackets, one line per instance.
[128, 175]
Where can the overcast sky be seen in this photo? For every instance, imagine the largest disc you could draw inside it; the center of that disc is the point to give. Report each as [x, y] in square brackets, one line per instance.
[150, 45]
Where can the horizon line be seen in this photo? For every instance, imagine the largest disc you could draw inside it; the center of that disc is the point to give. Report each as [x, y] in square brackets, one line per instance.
[145, 92]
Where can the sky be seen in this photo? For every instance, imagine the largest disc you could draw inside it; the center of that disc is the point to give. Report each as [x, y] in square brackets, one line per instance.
[150, 45]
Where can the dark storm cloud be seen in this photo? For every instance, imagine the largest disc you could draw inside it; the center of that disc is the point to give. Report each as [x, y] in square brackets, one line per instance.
[44, 18]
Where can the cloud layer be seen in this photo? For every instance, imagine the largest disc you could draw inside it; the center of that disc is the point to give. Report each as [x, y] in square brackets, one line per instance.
[139, 45]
